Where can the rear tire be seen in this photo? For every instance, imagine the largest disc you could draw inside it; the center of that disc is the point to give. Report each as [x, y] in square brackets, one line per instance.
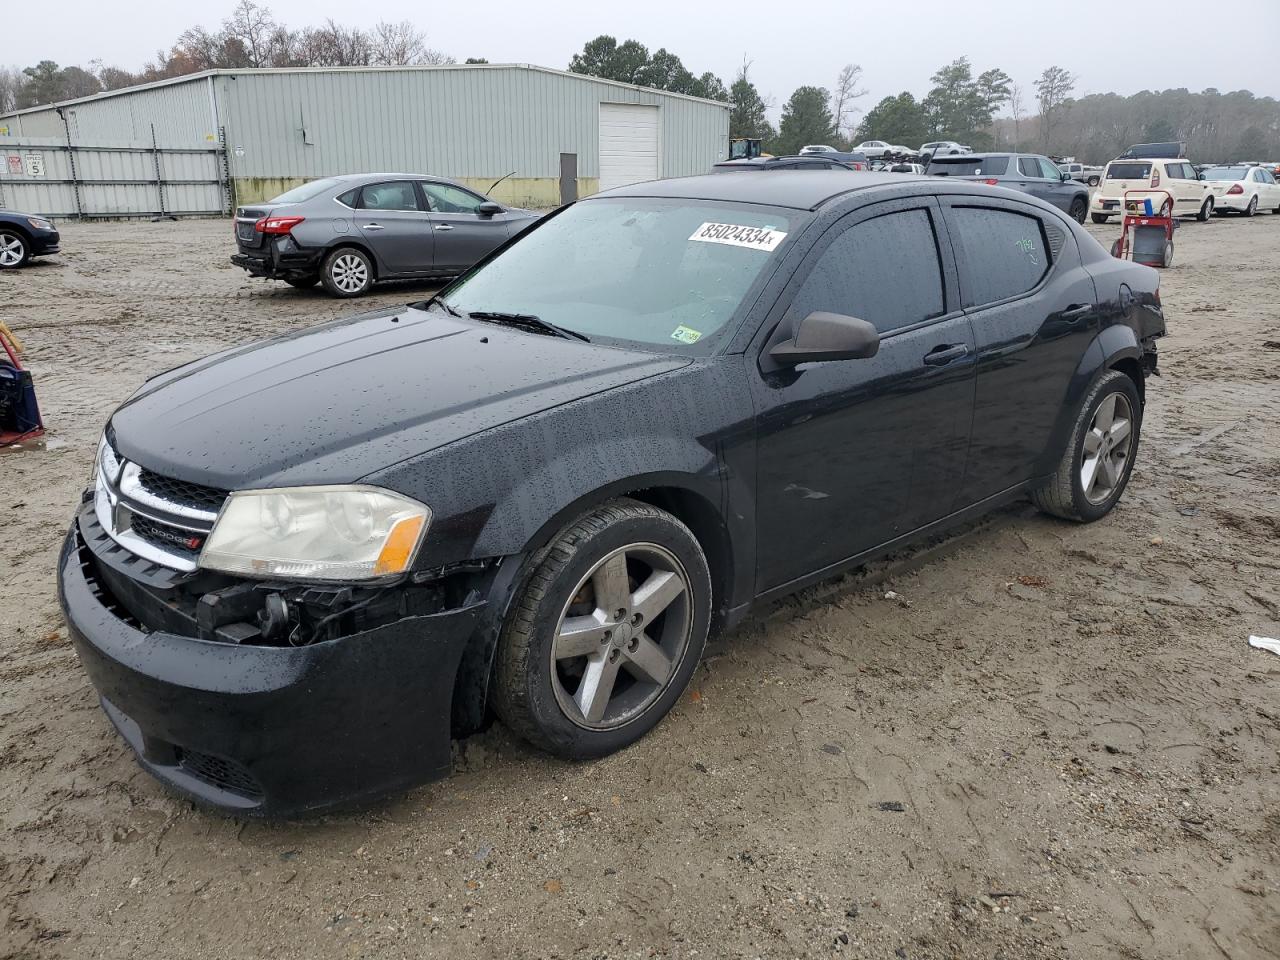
[1206, 211]
[15, 251]
[570, 672]
[1079, 207]
[1101, 441]
[347, 272]
[1252, 208]
[1093, 181]
[1099, 217]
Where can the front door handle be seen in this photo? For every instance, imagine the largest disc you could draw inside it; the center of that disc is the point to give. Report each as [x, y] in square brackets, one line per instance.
[1077, 311]
[445, 226]
[374, 226]
[945, 353]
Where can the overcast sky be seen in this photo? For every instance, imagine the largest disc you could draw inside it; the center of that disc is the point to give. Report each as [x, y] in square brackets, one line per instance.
[1153, 45]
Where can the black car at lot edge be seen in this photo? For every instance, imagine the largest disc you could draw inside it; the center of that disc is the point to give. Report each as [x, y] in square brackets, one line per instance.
[304, 564]
[23, 236]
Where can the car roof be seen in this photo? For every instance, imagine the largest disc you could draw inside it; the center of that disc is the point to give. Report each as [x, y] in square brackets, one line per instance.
[969, 157]
[373, 177]
[800, 189]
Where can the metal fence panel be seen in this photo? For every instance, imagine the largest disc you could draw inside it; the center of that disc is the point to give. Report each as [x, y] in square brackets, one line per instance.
[47, 176]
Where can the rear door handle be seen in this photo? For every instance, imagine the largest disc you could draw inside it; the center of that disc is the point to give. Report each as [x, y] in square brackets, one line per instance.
[373, 226]
[1077, 311]
[944, 354]
[445, 226]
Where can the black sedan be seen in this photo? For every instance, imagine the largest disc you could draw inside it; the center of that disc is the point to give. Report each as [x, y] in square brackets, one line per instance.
[302, 566]
[23, 236]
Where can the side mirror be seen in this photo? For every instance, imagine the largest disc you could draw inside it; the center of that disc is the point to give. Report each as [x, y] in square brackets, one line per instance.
[828, 336]
[488, 208]
[1199, 176]
[1066, 177]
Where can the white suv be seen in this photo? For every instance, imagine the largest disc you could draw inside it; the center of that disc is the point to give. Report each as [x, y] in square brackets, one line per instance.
[1192, 197]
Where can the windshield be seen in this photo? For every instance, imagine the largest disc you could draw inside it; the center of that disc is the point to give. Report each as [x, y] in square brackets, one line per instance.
[306, 191]
[968, 166]
[1128, 171]
[664, 273]
[1227, 173]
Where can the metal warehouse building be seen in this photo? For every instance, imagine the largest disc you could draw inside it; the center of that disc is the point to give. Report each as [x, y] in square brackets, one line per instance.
[205, 142]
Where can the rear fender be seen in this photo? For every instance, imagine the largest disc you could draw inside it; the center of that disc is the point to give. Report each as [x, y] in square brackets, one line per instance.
[1111, 346]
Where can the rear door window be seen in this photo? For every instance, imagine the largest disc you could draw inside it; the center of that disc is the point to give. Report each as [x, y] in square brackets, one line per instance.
[1030, 167]
[393, 195]
[886, 271]
[1000, 253]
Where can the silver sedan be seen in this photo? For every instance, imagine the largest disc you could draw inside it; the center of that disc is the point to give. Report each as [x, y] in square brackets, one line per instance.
[348, 232]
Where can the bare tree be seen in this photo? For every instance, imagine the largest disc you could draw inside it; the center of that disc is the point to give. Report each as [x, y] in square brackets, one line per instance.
[843, 97]
[396, 44]
[253, 27]
[1052, 90]
[1017, 109]
[11, 81]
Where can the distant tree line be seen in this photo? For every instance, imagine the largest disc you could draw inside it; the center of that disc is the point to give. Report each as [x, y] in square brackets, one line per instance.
[987, 109]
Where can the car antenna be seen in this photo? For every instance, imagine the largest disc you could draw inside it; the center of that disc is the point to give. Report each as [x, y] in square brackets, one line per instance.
[499, 180]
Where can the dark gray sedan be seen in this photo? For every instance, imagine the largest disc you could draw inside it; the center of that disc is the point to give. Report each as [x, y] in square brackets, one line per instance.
[346, 232]
[1028, 172]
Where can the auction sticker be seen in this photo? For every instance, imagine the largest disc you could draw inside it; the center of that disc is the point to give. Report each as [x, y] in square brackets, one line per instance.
[686, 335]
[736, 235]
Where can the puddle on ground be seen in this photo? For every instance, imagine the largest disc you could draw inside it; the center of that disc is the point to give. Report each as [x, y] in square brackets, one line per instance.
[35, 445]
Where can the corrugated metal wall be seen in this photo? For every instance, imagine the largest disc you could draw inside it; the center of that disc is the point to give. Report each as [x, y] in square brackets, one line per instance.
[183, 113]
[455, 121]
[41, 175]
[473, 123]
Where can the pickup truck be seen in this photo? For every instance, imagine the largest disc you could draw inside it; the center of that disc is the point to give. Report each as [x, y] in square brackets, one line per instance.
[1085, 174]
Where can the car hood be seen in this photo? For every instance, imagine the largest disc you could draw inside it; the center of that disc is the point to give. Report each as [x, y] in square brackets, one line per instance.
[335, 403]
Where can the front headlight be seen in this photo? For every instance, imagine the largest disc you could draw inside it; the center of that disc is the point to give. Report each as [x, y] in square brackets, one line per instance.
[316, 533]
[40, 223]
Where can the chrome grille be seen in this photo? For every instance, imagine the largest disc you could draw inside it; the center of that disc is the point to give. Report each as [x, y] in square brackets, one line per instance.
[159, 518]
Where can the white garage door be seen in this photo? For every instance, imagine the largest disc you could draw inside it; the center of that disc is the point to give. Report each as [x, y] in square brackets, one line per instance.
[628, 144]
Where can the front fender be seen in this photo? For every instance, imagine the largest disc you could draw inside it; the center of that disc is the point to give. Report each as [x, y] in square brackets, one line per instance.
[1112, 344]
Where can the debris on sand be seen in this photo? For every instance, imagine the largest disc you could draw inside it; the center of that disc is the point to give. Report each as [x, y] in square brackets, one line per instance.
[1265, 643]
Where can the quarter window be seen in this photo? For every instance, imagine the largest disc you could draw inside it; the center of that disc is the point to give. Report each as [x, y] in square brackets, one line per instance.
[1000, 253]
[445, 198]
[396, 195]
[885, 271]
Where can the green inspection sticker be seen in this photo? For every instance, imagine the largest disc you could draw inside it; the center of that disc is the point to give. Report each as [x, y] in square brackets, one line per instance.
[686, 335]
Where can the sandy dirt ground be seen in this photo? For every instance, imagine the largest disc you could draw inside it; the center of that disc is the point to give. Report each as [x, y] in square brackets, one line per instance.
[1052, 742]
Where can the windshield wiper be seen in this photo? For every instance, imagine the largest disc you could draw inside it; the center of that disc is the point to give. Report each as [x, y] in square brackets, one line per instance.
[529, 322]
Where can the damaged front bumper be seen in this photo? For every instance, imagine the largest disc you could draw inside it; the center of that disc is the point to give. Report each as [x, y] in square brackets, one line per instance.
[270, 730]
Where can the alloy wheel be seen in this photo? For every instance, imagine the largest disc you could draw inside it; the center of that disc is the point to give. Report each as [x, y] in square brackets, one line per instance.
[1253, 206]
[1107, 445]
[12, 250]
[622, 636]
[349, 272]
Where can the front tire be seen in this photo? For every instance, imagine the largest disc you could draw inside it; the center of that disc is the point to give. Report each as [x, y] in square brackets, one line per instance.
[606, 633]
[1206, 211]
[347, 272]
[1079, 207]
[14, 250]
[1098, 460]
[1099, 217]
